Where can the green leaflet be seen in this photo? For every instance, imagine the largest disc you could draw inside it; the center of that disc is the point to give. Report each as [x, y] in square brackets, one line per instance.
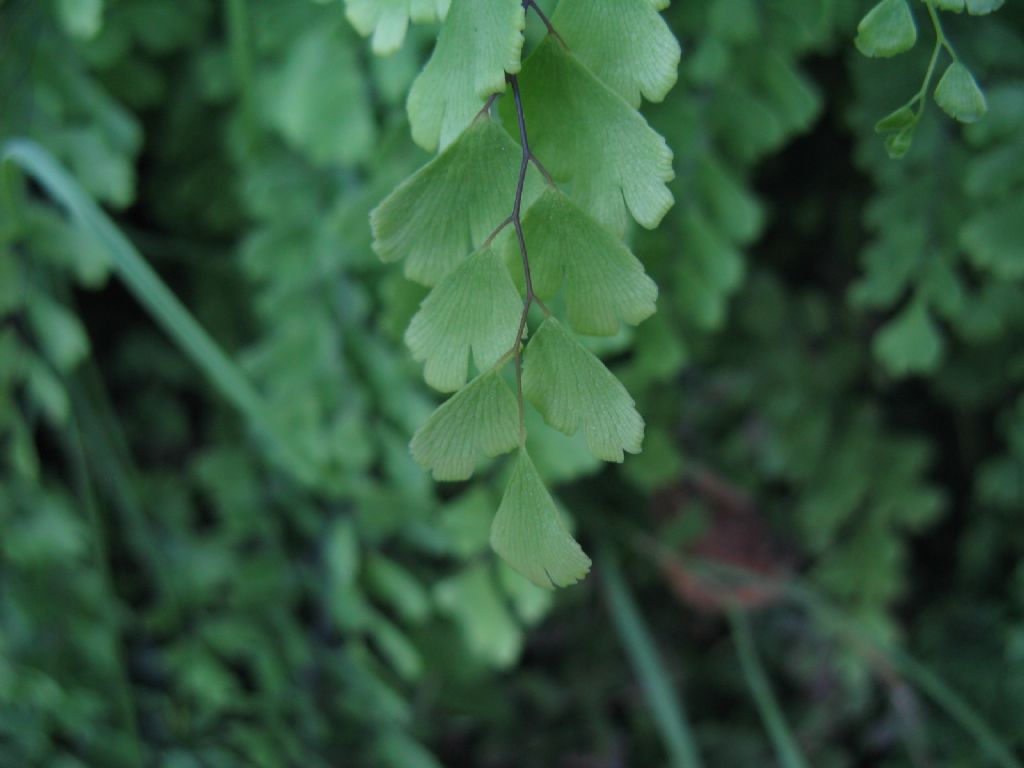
[387, 20]
[973, 7]
[395, 585]
[472, 600]
[81, 18]
[331, 123]
[481, 420]
[604, 282]
[572, 388]
[479, 43]
[58, 333]
[900, 119]
[476, 307]
[626, 43]
[441, 213]
[591, 140]
[529, 535]
[994, 239]
[959, 95]
[341, 553]
[708, 272]
[982, 7]
[46, 391]
[736, 212]
[888, 29]
[736, 21]
[911, 343]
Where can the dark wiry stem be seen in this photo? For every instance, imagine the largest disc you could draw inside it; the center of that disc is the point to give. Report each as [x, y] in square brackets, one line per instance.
[515, 219]
[486, 108]
[497, 231]
[517, 223]
[528, 4]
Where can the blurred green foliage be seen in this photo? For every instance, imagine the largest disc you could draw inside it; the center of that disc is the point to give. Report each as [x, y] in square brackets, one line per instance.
[839, 335]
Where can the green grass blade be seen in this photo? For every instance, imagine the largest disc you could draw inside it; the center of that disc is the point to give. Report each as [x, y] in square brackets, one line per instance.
[150, 290]
[236, 18]
[122, 678]
[928, 682]
[786, 749]
[920, 675]
[666, 706]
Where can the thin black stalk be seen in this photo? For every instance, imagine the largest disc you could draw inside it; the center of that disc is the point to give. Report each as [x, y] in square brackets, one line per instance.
[515, 219]
[528, 4]
[517, 223]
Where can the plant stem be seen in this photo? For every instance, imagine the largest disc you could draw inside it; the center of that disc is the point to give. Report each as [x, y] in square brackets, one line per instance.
[941, 41]
[927, 681]
[669, 714]
[528, 4]
[933, 686]
[516, 220]
[102, 554]
[237, 22]
[940, 34]
[517, 223]
[786, 748]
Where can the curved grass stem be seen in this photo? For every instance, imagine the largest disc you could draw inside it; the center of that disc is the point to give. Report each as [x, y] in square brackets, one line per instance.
[147, 287]
[849, 630]
[666, 706]
[786, 748]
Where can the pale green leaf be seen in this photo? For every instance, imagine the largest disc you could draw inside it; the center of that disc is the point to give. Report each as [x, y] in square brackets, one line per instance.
[395, 748]
[735, 21]
[12, 283]
[475, 308]
[530, 602]
[788, 91]
[59, 333]
[97, 163]
[559, 458]
[341, 553]
[898, 144]
[396, 648]
[707, 272]
[604, 282]
[479, 42]
[394, 585]
[318, 102]
[481, 420]
[625, 43]
[981, 7]
[47, 392]
[994, 239]
[904, 117]
[528, 533]
[660, 465]
[440, 214]
[610, 160]
[466, 521]
[959, 95]
[573, 389]
[887, 30]
[736, 210]
[473, 602]
[387, 20]
[81, 18]
[911, 342]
